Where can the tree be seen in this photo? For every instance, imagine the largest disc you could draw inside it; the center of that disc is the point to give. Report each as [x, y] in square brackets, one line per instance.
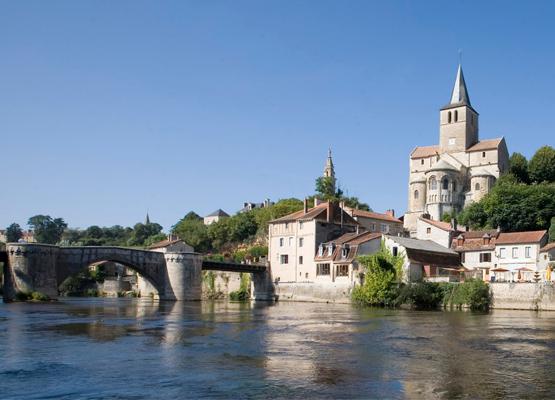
[13, 233]
[325, 189]
[552, 230]
[191, 230]
[518, 166]
[354, 202]
[47, 230]
[142, 232]
[542, 165]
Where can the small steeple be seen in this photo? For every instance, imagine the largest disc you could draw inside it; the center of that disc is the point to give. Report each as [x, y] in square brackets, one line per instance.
[147, 220]
[329, 170]
[460, 92]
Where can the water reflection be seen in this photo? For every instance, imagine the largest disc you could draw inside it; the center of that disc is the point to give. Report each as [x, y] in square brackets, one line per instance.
[87, 347]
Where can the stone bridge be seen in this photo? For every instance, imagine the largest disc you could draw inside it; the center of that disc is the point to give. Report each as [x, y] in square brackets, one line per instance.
[33, 267]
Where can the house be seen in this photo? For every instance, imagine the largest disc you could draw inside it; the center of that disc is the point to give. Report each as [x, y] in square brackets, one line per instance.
[425, 259]
[460, 170]
[27, 237]
[171, 245]
[547, 261]
[502, 256]
[377, 222]
[215, 216]
[336, 260]
[437, 231]
[249, 206]
[294, 239]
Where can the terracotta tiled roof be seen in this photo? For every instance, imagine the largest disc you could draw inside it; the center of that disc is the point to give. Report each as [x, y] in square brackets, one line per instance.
[446, 226]
[352, 240]
[482, 145]
[479, 234]
[320, 212]
[433, 258]
[163, 243]
[373, 215]
[364, 237]
[547, 247]
[474, 245]
[521, 237]
[424, 151]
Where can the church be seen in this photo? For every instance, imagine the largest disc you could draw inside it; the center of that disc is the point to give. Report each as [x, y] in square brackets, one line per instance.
[460, 170]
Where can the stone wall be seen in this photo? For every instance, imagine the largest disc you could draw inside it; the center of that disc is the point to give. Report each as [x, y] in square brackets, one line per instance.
[524, 296]
[329, 293]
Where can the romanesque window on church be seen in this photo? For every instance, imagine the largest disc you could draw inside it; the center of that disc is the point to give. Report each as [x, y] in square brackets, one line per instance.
[433, 183]
[477, 186]
[416, 194]
[456, 115]
[483, 154]
[445, 184]
[454, 186]
[422, 162]
[449, 117]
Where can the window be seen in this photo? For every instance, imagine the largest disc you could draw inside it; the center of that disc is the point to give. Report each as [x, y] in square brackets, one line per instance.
[301, 225]
[422, 162]
[342, 270]
[286, 225]
[452, 141]
[527, 251]
[281, 242]
[330, 249]
[502, 252]
[462, 257]
[301, 242]
[306, 275]
[515, 252]
[384, 228]
[483, 154]
[345, 251]
[321, 250]
[456, 115]
[445, 184]
[395, 251]
[416, 194]
[322, 269]
[284, 259]
[449, 117]
[454, 184]
[477, 186]
[485, 257]
[290, 241]
[300, 260]
[373, 227]
[428, 230]
[433, 183]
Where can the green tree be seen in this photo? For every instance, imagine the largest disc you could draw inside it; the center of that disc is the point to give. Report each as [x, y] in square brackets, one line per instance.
[13, 233]
[46, 229]
[552, 230]
[142, 232]
[191, 230]
[354, 202]
[518, 166]
[325, 189]
[542, 165]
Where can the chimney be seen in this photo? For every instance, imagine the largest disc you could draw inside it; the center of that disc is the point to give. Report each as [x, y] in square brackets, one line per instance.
[486, 239]
[330, 206]
[454, 224]
[305, 205]
[391, 213]
[460, 240]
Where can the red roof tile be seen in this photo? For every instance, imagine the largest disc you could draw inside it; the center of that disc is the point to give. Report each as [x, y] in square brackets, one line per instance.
[521, 237]
[374, 215]
[547, 247]
[482, 145]
[424, 151]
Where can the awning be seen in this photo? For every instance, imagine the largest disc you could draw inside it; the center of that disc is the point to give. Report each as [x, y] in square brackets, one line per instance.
[499, 270]
[524, 269]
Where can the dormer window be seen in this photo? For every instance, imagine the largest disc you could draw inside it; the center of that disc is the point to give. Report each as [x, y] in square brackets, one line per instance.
[345, 251]
[321, 250]
[330, 249]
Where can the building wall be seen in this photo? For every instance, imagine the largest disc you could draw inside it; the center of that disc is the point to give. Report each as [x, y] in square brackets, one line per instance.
[179, 247]
[380, 225]
[523, 296]
[464, 131]
[520, 260]
[211, 220]
[440, 236]
[337, 292]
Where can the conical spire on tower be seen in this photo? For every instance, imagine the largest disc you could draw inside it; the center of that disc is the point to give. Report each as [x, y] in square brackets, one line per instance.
[460, 92]
[329, 169]
[147, 219]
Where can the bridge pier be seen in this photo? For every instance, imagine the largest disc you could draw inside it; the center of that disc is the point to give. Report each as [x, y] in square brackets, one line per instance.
[262, 286]
[184, 277]
[30, 269]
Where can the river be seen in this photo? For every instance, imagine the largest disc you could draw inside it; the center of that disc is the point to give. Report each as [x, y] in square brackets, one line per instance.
[142, 349]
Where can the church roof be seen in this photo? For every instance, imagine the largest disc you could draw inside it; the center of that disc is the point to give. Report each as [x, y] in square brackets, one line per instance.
[480, 172]
[459, 95]
[490, 144]
[443, 165]
[424, 151]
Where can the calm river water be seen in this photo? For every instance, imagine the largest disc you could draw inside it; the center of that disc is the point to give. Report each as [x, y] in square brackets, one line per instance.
[137, 349]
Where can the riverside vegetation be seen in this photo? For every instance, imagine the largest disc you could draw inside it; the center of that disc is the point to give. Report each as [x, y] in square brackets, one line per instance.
[382, 287]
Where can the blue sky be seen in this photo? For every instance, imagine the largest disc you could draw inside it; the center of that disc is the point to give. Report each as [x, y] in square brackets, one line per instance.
[109, 109]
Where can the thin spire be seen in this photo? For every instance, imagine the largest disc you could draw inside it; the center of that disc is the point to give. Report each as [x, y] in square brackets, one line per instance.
[460, 92]
[147, 220]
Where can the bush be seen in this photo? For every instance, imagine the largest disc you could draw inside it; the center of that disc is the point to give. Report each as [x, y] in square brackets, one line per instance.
[243, 293]
[31, 296]
[421, 295]
[474, 294]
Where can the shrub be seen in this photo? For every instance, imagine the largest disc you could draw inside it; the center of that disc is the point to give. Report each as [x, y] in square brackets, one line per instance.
[474, 294]
[243, 293]
[421, 295]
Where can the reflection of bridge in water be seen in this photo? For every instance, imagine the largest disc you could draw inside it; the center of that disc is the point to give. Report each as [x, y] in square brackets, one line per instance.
[32, 267]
